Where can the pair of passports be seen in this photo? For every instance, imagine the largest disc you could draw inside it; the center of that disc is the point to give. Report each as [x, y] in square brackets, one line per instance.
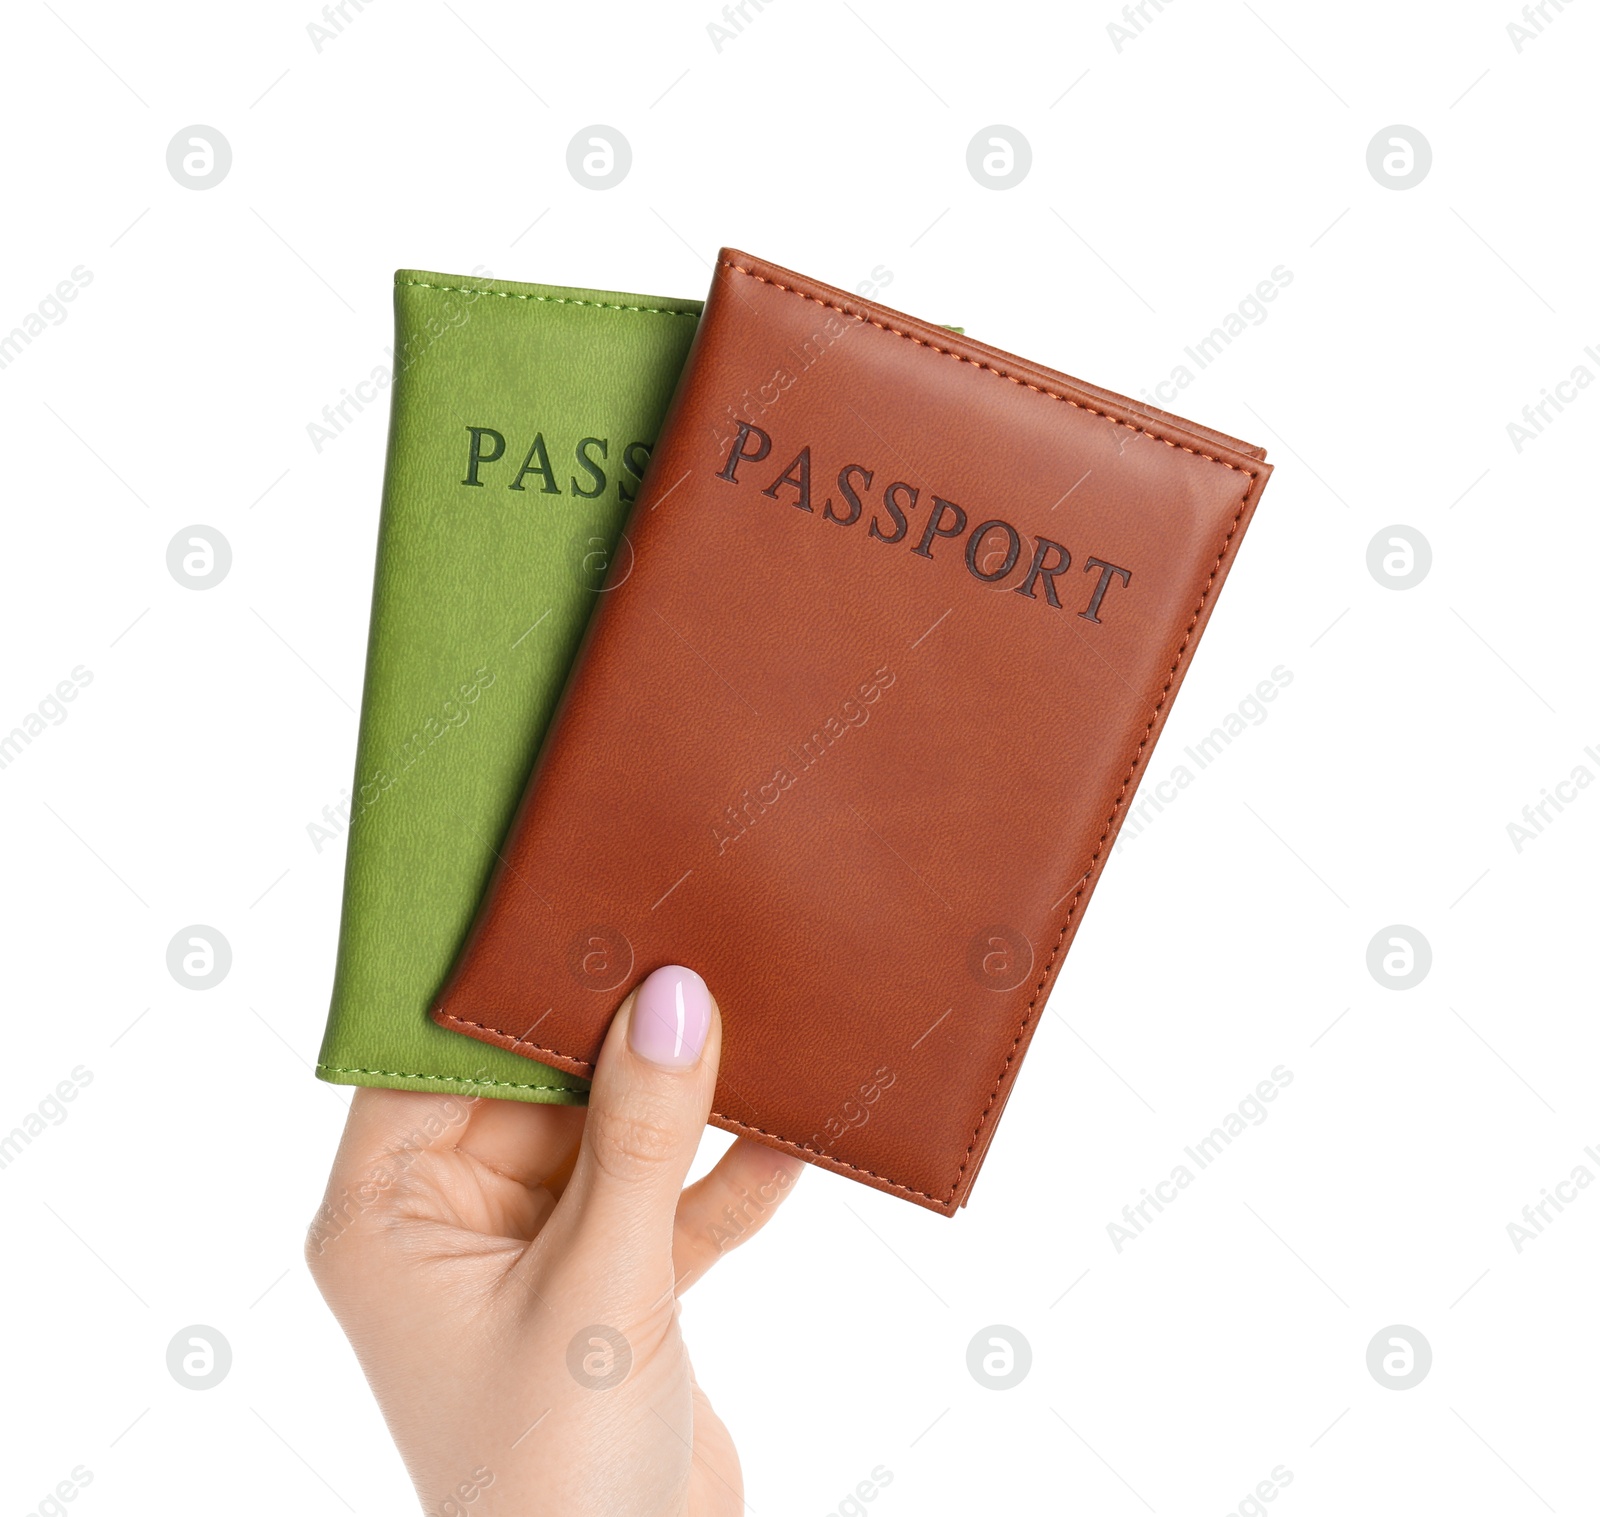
[807, 644]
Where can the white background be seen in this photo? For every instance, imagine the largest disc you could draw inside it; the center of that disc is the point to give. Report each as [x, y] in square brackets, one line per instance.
[1167, 179]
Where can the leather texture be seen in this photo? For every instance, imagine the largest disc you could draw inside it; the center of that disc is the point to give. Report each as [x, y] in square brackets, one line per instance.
[849, 734]
[480, 595]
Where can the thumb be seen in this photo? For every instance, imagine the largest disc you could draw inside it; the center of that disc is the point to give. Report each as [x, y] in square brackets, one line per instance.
[648, 1104]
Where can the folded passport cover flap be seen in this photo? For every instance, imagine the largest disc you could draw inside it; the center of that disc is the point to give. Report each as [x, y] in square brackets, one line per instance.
[521, 421]
[856, 722]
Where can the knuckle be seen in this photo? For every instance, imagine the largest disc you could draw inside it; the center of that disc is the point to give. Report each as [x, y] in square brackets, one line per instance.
[332, 1240]
[320, 1252]
[631, 1143]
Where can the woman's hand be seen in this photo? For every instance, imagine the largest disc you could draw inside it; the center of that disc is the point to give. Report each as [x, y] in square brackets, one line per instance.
[509, 1274]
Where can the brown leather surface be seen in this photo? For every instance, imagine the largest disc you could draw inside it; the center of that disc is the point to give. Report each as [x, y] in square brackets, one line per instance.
[864, 792]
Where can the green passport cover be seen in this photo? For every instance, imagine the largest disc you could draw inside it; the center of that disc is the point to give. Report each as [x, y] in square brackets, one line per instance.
[521, 419]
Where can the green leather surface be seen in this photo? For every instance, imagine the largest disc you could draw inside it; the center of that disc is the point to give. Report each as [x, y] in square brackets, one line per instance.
[480, 595]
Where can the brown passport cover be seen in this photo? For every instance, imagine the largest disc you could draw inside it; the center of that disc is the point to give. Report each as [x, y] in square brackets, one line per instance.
[895, 623]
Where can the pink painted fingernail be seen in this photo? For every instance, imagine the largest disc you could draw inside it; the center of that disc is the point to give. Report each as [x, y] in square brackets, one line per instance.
[671, 1017]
